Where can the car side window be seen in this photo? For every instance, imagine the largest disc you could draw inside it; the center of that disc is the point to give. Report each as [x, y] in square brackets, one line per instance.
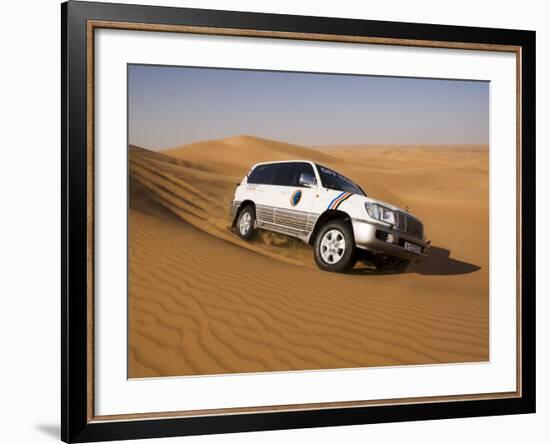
[283, 174]
[293, 172]
[288, 173]
[262, 174]
[256, 175]
[269, 174]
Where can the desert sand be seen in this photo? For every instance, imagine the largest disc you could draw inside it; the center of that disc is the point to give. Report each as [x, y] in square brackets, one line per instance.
[201, 301]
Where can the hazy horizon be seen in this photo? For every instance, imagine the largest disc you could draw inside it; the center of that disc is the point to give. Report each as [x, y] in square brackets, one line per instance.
[172, 106]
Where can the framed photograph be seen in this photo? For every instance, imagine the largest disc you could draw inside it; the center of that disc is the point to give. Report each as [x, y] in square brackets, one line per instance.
[275, 221]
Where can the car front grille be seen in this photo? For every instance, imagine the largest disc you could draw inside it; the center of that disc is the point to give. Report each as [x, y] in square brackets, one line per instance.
[410, 225]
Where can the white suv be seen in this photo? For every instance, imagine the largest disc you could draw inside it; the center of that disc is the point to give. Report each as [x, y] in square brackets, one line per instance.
[324, 209]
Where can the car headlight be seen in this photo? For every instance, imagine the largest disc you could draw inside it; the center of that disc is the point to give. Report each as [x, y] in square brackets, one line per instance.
[380, 213]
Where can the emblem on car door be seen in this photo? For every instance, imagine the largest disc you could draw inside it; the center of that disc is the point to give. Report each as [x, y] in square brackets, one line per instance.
[295, 198]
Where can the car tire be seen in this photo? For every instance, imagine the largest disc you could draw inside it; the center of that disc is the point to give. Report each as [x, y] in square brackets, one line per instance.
[245, 222]
[334, 247]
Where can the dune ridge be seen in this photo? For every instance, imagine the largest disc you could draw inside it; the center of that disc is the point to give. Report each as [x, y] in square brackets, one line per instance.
[157, 174]
[201, 301]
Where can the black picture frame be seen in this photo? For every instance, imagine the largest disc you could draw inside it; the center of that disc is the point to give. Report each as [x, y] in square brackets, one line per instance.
[76, 424]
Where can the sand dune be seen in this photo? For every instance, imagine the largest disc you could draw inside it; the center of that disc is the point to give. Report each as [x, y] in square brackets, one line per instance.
[240, 152]
[201, 301]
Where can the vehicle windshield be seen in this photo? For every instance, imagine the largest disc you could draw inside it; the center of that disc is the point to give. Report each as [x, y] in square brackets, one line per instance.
[335, 181]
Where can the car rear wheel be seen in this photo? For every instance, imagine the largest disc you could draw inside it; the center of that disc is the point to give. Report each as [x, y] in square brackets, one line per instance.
[334, 247]
[245, 222]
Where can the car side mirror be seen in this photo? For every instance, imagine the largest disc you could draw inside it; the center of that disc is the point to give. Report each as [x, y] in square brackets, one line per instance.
[307, 180]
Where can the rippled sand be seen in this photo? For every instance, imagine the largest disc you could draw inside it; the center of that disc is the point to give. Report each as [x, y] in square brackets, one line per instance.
[201, 301]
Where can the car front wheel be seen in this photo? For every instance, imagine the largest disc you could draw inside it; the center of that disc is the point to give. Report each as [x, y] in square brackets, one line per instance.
[334, 247]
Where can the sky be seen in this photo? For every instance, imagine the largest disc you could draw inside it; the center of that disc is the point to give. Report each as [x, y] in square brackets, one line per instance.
[172, 106]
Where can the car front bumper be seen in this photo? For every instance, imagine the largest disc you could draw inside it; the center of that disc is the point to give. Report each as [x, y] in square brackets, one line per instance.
[382, 239]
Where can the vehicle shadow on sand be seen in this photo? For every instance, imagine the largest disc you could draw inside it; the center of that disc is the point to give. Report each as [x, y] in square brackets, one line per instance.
[438, 263]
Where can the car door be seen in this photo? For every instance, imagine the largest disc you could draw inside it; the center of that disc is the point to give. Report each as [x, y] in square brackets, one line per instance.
[295, 200]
